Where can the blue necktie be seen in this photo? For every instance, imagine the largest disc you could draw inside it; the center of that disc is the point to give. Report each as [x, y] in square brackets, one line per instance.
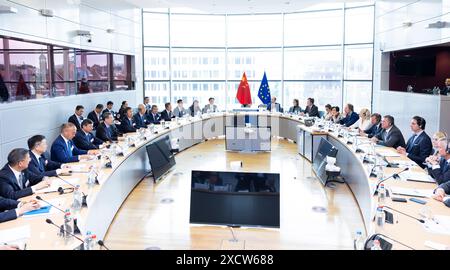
[410, 145]
[109, 131]
[69, 145]
[445, 168]
[41, 164]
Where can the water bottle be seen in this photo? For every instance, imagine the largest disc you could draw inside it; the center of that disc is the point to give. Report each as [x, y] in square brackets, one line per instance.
[380, 217]
[163, 123]
[88, 241]
[381, 194]
[67, 228]
[376, 245]
[92, 177]
[380, 174]
[359, 241]
[77, 198]
[93, 242]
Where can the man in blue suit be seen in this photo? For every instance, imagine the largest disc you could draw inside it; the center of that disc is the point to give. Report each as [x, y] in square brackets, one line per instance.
[127, 124]
[15, 179]
[350, 116]
[440, 169]
[274, 106]
[375, 128]
[419, 146]
[153, 116]
[84, 139]
[12, 209]
[140, 118]
[39, 163]
[64, 150]
[107, 131]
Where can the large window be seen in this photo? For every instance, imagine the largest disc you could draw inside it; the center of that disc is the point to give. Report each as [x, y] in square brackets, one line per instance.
[325, 54]
[31, 70]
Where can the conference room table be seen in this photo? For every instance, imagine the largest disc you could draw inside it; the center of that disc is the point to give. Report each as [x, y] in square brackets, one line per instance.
[116, 183]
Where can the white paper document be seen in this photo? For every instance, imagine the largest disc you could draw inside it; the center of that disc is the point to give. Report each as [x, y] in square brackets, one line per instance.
[414, 192]
[57, 183]
[15, 234]
[439, 224]
[56, 202]
[387, 153]
[417, 176]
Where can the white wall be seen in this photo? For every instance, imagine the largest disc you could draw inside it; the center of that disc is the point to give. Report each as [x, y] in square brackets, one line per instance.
[390, 35]
[21, 119]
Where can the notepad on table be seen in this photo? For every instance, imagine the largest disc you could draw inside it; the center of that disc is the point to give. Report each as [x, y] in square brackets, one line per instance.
[40, 211]
[412, 192]
[418, 177]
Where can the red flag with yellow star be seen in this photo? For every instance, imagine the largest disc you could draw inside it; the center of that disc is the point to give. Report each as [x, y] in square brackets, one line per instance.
[243, 92]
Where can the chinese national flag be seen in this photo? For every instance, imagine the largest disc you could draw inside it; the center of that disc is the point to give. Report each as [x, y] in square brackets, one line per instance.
[243, 93]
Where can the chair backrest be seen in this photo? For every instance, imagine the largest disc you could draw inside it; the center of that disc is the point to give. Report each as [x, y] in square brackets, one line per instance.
[321, 114]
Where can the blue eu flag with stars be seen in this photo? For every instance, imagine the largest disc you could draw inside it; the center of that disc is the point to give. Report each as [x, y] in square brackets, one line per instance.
[264, 90]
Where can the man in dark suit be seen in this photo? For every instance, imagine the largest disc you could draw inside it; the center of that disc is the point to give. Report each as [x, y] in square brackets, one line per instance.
[147, 105]
[311, 109]
[274, 106]
[391, 136]
[140, 118]
[419, 145]
[127, 124]
[95, 116]
[84, 139]
[12, 209]
[40, 164]
[440, 168]
[16, 181]
[154, 116]
[109, 106]
[64, 150]
[167, 114]
[77, 117]
[350, 116]
[107, 131]
[375, 128]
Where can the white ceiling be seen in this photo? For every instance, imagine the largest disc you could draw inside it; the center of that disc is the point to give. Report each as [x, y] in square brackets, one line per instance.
[238, 6]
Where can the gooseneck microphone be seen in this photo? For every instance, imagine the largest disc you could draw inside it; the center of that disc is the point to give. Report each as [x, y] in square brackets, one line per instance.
[102, 244]
[418, 219]
[40, 199]
[395, 176]
[49, 221]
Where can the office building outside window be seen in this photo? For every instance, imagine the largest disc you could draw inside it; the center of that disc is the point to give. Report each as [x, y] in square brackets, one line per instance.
[322, 54]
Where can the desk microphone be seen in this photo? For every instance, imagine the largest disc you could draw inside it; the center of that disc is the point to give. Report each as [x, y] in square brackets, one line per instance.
[84, 202]
[102, 244]
[395, 176]
[420, 220]
[49, 221]
[40, 199]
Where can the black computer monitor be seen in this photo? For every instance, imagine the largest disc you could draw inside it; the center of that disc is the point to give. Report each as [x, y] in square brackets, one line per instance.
[240, 120]
[235, 198]
[160, 157]
[325, 149]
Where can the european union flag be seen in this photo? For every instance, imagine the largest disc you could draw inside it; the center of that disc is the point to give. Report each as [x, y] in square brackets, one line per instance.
[264, 90]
